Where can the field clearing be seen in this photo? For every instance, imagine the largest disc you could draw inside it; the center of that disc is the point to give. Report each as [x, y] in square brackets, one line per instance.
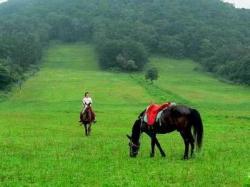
[42, 143]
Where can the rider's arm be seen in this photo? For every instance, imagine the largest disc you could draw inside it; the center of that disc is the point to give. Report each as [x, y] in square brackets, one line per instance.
[83, 102]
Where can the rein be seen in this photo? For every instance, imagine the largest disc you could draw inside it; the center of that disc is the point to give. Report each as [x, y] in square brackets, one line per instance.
[141, 130]
[132, 144]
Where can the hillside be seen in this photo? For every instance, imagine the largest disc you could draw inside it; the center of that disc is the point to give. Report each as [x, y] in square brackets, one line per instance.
[42, 143]
[126, 32]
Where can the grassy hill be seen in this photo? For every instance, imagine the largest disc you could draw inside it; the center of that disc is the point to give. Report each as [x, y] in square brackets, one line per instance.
[43, 144]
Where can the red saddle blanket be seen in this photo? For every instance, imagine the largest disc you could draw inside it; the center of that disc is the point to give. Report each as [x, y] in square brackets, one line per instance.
[153, 110]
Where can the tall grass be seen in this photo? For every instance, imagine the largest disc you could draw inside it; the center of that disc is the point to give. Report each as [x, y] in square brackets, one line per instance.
[42, 143]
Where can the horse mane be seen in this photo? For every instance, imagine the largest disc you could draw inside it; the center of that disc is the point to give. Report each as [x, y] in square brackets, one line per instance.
[136, 130]
[141, 114]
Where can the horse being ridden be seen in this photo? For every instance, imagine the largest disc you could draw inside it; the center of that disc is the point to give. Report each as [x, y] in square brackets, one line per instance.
[176, 117]
[87, 116]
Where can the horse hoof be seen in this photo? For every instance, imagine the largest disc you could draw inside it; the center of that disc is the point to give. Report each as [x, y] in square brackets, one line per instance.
[163, 155]
[152, 155]
[185, 157]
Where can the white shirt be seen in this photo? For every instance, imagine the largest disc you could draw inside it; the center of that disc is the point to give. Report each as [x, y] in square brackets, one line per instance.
[86, 101]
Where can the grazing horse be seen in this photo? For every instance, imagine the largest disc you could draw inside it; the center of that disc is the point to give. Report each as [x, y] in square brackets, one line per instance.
[177, 117]
[87, 118]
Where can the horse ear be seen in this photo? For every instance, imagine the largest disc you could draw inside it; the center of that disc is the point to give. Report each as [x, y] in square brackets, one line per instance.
[129, 137]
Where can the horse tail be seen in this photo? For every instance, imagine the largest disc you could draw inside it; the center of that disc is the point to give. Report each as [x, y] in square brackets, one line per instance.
[198, 127]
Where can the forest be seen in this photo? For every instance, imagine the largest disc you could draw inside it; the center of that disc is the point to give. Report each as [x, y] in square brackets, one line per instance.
[126, 32]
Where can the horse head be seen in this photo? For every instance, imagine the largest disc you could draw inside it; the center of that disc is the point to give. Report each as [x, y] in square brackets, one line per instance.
[133, 148]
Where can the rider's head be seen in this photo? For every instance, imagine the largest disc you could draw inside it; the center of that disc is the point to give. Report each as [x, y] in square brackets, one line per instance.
[86, 94]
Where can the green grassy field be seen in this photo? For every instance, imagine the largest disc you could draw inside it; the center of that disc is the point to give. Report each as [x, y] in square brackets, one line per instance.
[42, 144]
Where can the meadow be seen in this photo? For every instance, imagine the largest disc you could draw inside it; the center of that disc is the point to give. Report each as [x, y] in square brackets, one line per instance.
[42, 143]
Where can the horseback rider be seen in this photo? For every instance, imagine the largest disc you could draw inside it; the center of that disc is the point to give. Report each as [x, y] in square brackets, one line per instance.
[87, 102]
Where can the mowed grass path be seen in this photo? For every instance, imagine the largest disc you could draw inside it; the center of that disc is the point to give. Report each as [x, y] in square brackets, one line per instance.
[42, 144]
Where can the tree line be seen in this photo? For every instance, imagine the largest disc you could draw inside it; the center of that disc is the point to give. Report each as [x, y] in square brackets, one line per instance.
[125, 32]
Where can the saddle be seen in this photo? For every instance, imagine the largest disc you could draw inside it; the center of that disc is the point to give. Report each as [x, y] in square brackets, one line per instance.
[153, 111]
[88, 115]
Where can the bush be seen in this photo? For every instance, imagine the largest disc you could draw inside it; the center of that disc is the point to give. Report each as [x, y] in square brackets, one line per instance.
[151, 74]
[125, 55]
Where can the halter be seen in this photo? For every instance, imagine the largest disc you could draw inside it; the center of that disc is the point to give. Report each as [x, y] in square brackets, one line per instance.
[134, 145]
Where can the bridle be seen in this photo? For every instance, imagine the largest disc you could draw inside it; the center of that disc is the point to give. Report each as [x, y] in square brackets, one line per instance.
[134, 145]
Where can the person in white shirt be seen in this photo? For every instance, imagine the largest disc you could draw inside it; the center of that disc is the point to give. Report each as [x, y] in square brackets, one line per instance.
[87, 102]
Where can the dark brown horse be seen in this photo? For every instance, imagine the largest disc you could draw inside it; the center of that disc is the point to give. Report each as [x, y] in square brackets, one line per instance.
[87, 118]
[178, 117]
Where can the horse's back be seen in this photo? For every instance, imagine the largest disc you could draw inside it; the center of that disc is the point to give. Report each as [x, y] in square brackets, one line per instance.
[181, 109]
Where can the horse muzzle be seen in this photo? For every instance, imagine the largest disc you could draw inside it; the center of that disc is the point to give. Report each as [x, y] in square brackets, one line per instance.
[133, 155]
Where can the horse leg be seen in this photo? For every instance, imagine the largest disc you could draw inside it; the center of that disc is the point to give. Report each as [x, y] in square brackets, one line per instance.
[186, 142]
[152, 136]
[86, 130]
[159, 147]
[81, 118]
[154, 141]
[191, 141]
[89, 129]
[152, 154]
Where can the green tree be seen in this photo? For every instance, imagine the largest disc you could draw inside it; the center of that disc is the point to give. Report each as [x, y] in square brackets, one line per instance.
[125, 55]
[210, 32]
[151, 74]
[5, 77]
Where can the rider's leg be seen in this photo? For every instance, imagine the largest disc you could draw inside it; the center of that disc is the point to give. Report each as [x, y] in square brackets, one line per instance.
[81, 115]
[92, 115]
[89, 115]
